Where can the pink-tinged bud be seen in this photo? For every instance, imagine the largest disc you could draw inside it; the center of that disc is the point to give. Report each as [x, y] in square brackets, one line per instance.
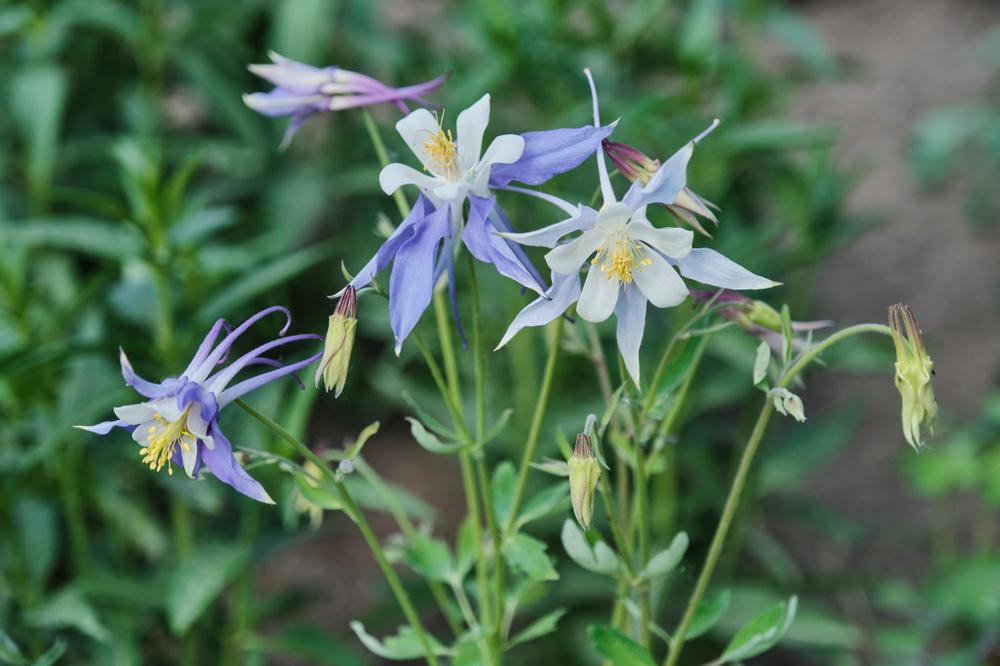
[914, 369]
[630, 161]
[339, 343]
[584, 473]
[636, 165]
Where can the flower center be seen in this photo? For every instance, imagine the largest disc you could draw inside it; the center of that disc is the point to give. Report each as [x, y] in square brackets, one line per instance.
[620, 257]
[441, 152]
[164, 438]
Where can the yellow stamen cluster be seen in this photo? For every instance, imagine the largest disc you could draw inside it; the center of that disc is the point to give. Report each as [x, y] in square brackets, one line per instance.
[164, 438]
[442, 153]
[624, 257]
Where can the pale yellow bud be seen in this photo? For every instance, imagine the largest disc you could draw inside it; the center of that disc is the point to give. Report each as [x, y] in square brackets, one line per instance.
[914, 369]
[338, 344]
[584, 473]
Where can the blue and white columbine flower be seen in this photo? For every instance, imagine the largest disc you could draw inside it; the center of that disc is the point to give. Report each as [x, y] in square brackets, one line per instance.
[178, 423]
[457, 170]
[631, 262]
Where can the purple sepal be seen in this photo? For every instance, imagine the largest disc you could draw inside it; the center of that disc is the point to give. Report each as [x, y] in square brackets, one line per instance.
[480, 236]
[503, 225]
[252, 384]
[104, 427]
[384, 256]
[412, 280]
[550, 153]
[220, 462]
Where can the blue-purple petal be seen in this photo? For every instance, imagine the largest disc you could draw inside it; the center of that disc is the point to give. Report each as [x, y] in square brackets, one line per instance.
[412, 280]
[630, 311]
[550, 153]
[565, 290]
[480, 236]
[220, 462]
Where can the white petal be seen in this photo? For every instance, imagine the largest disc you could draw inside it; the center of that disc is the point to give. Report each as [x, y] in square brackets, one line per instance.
[564, 291]
[450, 192]
[599, 296]
[141, 433]
[134, 414]
[659, 281]
[395, 175]
[550, 235]
[470, 126]
[189, 456]
[505, 149]
[570, 257]
[708, 266]
[167, 408]
[416, 129]
[671, 241]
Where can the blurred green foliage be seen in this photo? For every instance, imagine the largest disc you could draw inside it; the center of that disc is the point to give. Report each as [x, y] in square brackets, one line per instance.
[140, 200]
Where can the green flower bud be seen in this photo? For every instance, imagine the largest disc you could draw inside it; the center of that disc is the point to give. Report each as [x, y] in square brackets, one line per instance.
[914, 369]
[339, 343]
[584, 472]
[762, 314]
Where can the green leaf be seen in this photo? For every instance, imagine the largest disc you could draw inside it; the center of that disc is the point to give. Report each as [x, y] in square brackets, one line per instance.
[429, 441]
[540, 627]
[317, 493]
[529, 555]
[198, 580]
[52, 655]
[543, 503]
[497, 427]
[69, 608]
[39, 536]
[552, 466]
[37, 95]
[618, 648]
[366, 434]
[599, 558]
[502, 488]
[429, 557]
[761, 363]
[664, 562]
[404, 645]
[761, 633]
[9, 651]
[80, 234]
[710, 610]
[309, 643]
[465, 548]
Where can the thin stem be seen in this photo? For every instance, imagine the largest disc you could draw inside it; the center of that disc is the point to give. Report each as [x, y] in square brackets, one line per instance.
[447, 350]
[739, 480]
[642, 510]
[383, 158]
[536, 424]
[352, 510]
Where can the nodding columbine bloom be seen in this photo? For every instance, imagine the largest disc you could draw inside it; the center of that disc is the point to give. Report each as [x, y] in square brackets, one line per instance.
[914, 369]
[760, 320]
[339, 343]
[584, 473]
[636, 166]
[631, 262]
[178, 423]
[456, 170]
[302, 90]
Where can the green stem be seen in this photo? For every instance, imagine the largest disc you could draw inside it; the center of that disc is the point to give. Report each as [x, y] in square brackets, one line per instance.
[642, 509]
[352, 510]
[383, 158]
[448, 351]
[536, 424]
[739, 480]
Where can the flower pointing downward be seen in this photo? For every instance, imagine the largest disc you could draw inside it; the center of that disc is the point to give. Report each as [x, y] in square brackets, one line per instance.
[914, 369]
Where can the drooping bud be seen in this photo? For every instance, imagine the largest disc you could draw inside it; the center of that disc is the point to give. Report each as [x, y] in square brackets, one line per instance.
[636, 165]
[584, 473]
[914, 369]
[788, 404]
[339, 343]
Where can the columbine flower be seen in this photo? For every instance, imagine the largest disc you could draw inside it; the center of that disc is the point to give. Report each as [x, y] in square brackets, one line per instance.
[339, 343]
[456, 170]
[178, 424]
[913, 375]
[760, 320]
[636, 166]
[631, 262]
[302, 90]
[584, 473]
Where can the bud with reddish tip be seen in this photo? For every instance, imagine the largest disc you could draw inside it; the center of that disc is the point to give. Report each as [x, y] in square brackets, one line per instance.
[637, 166]
[913, 375]
[584, 473]
[339, 343]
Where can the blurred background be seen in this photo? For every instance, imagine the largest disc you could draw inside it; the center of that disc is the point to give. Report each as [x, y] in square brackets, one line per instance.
[857, 162]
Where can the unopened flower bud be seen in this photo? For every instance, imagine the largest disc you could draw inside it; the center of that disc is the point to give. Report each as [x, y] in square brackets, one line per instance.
[584, 472]
[914, 369]
[788, 404]
[762, 314]
[339, 343]
[637, 166]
